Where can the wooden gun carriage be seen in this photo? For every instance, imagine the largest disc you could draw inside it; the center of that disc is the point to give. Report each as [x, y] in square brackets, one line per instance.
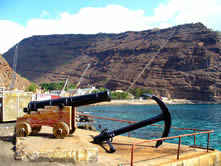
[60, 114]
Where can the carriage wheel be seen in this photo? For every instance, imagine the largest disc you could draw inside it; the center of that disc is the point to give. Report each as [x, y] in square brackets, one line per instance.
[35, 130]
[23, 129]
[61, 130]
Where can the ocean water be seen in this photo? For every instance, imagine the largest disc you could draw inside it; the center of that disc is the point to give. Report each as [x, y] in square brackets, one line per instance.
[200, 116]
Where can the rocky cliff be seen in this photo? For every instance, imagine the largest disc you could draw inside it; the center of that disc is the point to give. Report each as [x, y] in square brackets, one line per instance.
[6, 75]
[187, 67]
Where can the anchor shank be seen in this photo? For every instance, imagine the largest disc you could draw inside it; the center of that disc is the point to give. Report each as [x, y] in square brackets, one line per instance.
[138, 125]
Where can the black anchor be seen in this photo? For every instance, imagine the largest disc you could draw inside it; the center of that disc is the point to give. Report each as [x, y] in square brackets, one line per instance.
[107, 136]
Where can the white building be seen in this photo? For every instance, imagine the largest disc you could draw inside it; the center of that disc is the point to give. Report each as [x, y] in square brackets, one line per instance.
[82, 91]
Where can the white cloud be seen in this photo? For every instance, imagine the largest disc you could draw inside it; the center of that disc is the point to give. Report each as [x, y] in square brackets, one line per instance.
[10, 34]
[114, 19]
[111, 19]
[177, 12]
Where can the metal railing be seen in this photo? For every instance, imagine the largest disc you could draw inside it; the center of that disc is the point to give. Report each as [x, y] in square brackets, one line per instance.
[133, 146]
[173, 137]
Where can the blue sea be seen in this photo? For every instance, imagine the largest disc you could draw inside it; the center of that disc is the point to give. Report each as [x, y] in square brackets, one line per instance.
[199, 116]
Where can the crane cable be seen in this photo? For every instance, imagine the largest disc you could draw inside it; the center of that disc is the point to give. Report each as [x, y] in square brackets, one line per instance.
[15, 58]
[176, 115]
[81, 78]
[151, 60]
[65, 85]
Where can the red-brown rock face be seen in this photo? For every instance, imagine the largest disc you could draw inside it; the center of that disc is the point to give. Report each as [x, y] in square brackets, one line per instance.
[6, 75]
[187, 67]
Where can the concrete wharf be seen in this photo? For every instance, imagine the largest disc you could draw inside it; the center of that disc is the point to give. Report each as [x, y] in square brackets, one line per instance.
[79, 149]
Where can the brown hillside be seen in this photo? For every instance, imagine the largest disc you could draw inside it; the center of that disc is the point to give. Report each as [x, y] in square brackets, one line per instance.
[187, 67]
[6, 74]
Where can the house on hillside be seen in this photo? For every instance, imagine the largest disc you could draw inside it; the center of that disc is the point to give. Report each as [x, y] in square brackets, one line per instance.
[118, 90]
[82, 91]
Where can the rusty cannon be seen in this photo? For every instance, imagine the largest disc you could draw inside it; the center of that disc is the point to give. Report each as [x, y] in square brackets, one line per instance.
[107, 136]
[60, 114]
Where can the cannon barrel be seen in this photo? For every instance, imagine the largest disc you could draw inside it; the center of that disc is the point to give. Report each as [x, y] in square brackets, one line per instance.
[73, 101]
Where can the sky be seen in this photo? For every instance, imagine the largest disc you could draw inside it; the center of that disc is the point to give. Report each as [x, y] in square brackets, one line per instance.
[20, 19]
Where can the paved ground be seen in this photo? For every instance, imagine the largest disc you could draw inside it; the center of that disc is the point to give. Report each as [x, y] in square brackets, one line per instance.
[144, 154]
[7, 149]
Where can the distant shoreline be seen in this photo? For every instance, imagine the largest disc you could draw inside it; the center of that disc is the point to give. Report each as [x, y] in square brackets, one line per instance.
[150, 102]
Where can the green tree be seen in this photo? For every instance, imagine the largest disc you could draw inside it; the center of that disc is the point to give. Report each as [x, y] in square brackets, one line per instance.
[119, 95]
[99, 90]
[31, 88]
[138, 92]
[70, 86]
[102, 89]
[56, 86]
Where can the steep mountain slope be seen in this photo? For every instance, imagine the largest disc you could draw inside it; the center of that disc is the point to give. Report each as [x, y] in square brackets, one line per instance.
[6, 75]
[187, 67]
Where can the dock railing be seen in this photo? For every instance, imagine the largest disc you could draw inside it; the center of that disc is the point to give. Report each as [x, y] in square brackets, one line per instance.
[133, 146]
